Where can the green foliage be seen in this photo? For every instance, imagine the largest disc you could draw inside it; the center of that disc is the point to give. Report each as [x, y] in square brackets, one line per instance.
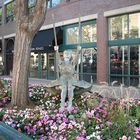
[121, 124]
[135, 113]
[138, 113]
[1, 114]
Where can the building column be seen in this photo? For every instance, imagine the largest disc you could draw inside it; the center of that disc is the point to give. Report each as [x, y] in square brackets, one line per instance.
[102, 47]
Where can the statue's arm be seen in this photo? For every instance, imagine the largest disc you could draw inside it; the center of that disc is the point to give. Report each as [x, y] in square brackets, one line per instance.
[76, 58]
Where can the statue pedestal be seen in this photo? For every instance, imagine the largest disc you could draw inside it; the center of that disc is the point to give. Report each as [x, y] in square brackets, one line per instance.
[9, 133]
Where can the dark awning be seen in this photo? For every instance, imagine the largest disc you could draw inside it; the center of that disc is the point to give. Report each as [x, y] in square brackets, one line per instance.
[44, 40]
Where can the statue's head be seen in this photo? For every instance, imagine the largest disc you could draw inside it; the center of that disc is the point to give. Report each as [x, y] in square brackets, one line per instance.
[67, 54]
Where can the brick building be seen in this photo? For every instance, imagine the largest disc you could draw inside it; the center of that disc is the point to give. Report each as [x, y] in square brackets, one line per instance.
[109, 36]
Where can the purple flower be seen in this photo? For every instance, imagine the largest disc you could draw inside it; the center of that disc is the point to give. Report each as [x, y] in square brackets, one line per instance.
[13, 125]
[65, 120]
[80, 138]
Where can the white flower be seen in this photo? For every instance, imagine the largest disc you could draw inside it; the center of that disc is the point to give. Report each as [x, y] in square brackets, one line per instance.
[18, 125]
[88, 137]
[97, 127]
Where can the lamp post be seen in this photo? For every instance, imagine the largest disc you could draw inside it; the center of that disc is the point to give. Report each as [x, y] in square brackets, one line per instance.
[79, 41]
[55, 47]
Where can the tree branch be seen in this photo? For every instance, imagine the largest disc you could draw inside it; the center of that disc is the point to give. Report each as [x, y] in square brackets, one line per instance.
[38, 16]
[21, 9]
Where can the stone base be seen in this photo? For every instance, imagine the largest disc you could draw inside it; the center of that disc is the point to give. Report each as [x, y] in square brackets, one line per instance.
[9, 133]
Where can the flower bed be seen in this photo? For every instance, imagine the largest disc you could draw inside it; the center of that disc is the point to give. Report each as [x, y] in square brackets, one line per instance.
[92, 117]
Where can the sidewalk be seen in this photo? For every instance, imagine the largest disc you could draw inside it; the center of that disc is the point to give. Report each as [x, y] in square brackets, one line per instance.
[31, 80]
[106, 91]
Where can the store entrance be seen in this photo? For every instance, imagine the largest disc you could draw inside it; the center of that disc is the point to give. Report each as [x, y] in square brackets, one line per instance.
[51, 66]
[42, 65]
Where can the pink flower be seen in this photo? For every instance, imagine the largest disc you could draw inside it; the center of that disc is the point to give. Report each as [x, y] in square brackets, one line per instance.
[70, 126]
[62, 126]
[39, 123]
[5, 116]
[98, 120]
[89, 114]
[80, 138]
[124, 138]
[138, 137]
[10, 111]
[138, 103]
[137, 130]
[108, 123]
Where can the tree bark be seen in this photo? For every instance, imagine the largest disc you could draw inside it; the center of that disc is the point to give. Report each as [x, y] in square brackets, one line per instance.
[21, 70]
[26, 27]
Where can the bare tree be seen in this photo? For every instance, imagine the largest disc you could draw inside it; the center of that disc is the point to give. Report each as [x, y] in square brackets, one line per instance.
[27, 25]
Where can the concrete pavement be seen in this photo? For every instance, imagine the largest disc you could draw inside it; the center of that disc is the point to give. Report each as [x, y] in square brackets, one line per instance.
[31, 80]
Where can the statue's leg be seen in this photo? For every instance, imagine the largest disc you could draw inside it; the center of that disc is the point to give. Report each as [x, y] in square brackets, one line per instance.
[70, 96]
[63, 97]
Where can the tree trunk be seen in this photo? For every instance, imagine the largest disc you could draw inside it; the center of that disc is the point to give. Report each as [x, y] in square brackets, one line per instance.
[27, 26]
[21, 70]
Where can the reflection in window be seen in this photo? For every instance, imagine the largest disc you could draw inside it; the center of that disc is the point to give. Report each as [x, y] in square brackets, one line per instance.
[72, 35]
[89, 33]
[134, 25]
[0, 15]
[53, 3]
[10, 12]
[118, 27]
[125, 26]
[124, 64]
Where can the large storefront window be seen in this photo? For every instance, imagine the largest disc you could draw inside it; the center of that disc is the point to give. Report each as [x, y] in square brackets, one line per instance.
[125, 64]
[87, 33]
[53, 3]
[134, 25]
[86, 37]
[72, 35]
[125, 26]
[10, 12]
[0, 15]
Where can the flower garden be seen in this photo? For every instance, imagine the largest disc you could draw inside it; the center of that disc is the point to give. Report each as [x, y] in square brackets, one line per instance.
[92, 117]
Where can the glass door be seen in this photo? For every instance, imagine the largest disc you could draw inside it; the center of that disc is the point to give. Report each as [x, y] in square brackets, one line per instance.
[43, 65]
[34, 65]
[89, 65]
[51, 66]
